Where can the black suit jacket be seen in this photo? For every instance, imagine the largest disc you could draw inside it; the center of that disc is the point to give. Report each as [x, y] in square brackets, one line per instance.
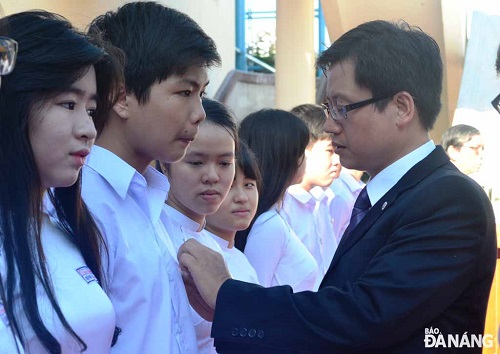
[424, 256]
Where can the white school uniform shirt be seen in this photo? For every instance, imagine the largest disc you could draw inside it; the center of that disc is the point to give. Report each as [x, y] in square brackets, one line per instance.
[83, 302]
[345, 189]
[237, 262]
[144, 281]
[180, 228]
[277, 254]
[308, 215]
[8, 343]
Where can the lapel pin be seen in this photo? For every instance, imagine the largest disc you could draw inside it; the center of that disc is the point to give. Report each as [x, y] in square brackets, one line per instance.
[384, 205]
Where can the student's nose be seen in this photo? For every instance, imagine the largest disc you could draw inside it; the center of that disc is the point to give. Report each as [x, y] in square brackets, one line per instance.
[240, 196]
[85, 128]
[211, 174]
[198, 114]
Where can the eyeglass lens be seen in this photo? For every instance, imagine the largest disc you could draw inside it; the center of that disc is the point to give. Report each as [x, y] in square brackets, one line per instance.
[8, 53]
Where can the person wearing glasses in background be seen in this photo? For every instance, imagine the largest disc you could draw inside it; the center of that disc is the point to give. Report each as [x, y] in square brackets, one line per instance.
[424, 254]
[496, 100]
[8, 55]
[464, 145]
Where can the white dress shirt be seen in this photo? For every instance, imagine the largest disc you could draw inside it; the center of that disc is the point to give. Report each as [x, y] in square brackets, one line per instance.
[378, 186]
[83, 302]
[144, 281]
[180, 228]
[237, 262]
[277, 254]
[308, 215]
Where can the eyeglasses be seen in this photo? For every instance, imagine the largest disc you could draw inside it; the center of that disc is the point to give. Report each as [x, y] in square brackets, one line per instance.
[477, 149]
[338, 113]
[8, 54]
[496, 103]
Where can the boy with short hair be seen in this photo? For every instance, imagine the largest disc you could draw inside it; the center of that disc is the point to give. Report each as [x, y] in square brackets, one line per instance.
[306, 205]
[156, 118]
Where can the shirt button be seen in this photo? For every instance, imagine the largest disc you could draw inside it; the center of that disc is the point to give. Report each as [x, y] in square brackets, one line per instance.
[243, 332]
[235, 332]
[252, 332]
[260, 334]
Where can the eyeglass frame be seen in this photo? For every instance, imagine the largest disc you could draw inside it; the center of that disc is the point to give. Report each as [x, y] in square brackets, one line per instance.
[343, 109]
[496, 103]
[11, 47]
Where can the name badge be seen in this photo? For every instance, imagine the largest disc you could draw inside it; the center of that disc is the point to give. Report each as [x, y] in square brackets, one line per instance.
[86, 274]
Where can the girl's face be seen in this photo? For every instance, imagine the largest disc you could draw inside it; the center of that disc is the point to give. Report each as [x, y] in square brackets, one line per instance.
[201, 180]
[238, 209]
[62, 132]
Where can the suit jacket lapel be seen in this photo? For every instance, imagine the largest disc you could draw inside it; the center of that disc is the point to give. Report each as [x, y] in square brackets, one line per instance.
[415, 175]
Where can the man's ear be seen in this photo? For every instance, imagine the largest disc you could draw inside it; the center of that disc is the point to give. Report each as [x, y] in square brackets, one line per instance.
[121, 107]
[453, 152]
[405, 108]
[307, 152]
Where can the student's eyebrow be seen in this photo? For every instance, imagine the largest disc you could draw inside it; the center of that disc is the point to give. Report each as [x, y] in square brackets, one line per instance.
[201, 154]
[193, 83]
[81, 93]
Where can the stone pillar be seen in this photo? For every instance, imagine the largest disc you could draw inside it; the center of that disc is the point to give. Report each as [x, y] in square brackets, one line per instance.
[295, 56]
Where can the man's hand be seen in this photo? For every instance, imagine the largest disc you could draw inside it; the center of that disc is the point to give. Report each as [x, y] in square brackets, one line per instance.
[203, 272]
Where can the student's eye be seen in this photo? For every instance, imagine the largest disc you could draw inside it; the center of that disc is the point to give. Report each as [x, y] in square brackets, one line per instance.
[91, 112]
[68, 105]
[226, 163]
[203, 93]
[330, 151]
[250, 185]
[186, 93]
[195, 163]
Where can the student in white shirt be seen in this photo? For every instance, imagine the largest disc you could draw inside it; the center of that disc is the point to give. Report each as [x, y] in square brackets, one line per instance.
[51, 300]
[278, 139]
[156, 118]
[346, 188]
[198, 185]
[306, 205]
[236, 213]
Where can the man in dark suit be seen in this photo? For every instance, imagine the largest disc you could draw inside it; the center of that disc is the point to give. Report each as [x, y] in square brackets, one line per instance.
[414, 275]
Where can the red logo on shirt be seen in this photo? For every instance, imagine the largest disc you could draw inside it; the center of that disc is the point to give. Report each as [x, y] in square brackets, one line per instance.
[86, 274]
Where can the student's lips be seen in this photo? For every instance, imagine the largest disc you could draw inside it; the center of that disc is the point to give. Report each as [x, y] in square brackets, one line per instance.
[210, 196]
[186, 139]
[79, 156]
[241, 212]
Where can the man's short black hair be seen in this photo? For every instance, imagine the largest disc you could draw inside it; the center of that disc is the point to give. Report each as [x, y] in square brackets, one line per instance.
[389, 58]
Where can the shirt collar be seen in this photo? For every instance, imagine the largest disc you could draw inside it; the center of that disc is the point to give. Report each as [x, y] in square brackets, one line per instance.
[320, 193]
[390, 175]
[112, 168]
[352, 183]
[184, 221]
[121, 177]
[300, 194]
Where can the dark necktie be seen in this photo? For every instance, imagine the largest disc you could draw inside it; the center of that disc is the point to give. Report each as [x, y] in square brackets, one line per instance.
[361, 207]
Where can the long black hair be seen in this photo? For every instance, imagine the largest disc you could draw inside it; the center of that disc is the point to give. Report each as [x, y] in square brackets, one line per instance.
[278, 138]
[52, 56]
